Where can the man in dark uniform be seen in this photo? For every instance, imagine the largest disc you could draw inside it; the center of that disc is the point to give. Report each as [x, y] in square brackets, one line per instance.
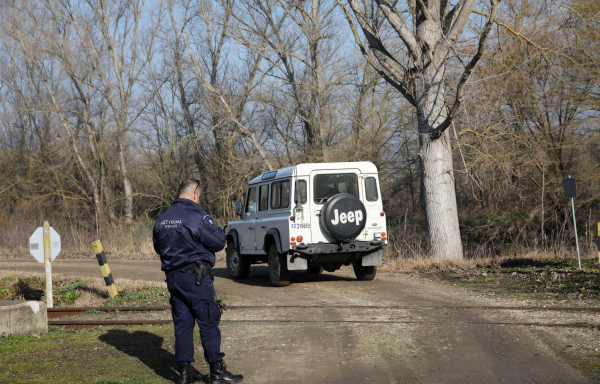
[186, 239]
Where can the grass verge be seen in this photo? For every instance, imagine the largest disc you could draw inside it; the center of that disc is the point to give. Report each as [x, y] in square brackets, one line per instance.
[81, 293]
[530, 279]
[135, 354]
[532, 276]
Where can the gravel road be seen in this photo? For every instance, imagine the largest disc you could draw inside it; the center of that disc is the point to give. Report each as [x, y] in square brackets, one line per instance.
[358, 345]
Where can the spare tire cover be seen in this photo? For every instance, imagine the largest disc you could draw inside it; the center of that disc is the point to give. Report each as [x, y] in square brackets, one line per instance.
[343, 216]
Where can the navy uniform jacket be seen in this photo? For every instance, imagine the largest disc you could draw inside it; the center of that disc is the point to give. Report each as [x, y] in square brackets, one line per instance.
[185, 233]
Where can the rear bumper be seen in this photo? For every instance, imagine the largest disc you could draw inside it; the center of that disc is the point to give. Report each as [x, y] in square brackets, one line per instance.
[330, 248]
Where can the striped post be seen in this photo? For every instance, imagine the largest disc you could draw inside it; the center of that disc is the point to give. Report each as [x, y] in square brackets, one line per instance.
[598, 248]
[108, 279]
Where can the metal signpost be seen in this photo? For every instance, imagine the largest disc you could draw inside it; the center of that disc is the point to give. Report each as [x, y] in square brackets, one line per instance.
[570, 188]
[44, 246]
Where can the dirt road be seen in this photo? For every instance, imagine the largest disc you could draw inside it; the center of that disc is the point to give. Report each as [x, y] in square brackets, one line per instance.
[351, 345]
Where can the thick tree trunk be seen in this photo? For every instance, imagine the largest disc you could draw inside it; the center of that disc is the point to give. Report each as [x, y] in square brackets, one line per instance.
[436, 166]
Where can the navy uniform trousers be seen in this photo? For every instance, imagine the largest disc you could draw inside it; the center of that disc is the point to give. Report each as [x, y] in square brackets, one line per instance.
[191, 303]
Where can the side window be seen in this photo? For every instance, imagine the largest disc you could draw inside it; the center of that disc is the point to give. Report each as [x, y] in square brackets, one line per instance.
[276, 195]
[280, 194]
[371, 189]
[251, 201]
[264, 197]
[300, 192]
[285, 194]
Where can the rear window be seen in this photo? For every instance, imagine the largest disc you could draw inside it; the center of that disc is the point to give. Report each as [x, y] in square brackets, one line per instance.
[371, 189]
[300, 192]
[280, 194]
[329, 185]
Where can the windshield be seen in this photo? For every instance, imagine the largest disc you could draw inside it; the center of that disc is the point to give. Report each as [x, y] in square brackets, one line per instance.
[329, 185]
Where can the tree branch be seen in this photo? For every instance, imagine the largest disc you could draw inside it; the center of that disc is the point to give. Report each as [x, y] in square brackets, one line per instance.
[401, 29]
[459, 16]
[439, 131]
[386, 60]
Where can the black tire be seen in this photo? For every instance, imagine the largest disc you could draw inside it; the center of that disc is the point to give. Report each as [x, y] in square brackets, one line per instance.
[363, 273]
[343, 217]
[314, 269]
[278, 272]
[238, 265]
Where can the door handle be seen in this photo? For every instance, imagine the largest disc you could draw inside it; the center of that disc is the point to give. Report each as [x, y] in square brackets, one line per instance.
[250, 228]
[264, 227]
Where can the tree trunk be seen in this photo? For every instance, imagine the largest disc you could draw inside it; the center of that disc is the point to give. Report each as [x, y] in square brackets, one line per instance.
[127, 190]
[436, 166]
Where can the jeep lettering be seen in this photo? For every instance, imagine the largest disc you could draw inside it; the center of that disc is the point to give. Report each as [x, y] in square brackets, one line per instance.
[346, 217]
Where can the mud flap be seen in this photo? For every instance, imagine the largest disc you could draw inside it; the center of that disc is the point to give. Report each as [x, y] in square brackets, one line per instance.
[373, 259]
[295, 263]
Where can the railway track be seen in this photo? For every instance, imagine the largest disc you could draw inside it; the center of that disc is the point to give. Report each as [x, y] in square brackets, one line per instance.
[55, 313]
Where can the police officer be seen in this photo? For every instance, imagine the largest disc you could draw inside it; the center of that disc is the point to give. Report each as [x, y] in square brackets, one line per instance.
[186, 239]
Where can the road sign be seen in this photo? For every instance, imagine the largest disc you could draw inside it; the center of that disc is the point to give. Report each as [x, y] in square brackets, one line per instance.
[570, 187]
[54, 244]
[36, 244]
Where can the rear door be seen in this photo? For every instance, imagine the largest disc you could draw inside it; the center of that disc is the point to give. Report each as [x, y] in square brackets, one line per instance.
[373, 204]
[325, 183]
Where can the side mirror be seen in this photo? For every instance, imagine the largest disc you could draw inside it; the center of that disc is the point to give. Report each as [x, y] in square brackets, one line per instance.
[237, 207]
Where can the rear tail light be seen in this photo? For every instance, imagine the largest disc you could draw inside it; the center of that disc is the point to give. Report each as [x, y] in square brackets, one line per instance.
[293, 243]
[382, 234]
[294, 239]
[382, 214]
[384, 238]
[300, 238]
[292, 218]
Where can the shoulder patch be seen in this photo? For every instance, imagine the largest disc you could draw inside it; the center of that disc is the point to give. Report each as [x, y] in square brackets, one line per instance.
[208, 218]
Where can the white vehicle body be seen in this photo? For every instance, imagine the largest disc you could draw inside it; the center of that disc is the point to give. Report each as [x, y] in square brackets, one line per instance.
[283, 209]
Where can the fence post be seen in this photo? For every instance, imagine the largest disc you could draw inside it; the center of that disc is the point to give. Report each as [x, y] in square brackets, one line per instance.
[108, 279]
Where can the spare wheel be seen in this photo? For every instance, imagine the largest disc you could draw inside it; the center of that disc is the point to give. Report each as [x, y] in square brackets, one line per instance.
[343, 217]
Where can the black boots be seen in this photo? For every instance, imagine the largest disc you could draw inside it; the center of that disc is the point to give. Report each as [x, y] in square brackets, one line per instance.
[220, 375]
[187, 374]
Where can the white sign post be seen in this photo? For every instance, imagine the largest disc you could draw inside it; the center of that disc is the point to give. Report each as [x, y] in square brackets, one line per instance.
[44, 246]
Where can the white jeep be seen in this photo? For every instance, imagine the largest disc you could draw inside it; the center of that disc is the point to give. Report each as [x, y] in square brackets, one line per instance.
[335, 218]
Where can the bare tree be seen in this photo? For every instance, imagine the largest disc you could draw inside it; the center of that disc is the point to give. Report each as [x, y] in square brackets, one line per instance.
[299, 40]
[42, 51]
[213, 102]
[419, 74]
[119, 43]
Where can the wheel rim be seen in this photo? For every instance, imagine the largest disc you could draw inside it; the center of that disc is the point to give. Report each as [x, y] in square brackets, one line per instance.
[234, 262]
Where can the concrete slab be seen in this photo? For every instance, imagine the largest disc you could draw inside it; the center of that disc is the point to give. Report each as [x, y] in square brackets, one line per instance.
[23, 317]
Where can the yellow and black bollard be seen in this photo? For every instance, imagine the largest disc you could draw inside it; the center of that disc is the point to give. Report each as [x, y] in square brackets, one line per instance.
[108, 279]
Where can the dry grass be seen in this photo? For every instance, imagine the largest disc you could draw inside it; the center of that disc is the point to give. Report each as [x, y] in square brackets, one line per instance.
[407, 250]
[95, 294]
[119, 241]
[408, 253]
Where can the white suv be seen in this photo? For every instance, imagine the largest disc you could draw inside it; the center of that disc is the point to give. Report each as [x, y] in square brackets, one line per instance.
[335, 218]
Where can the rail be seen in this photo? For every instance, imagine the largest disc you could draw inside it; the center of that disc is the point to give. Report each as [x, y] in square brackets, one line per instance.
[55, 313]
